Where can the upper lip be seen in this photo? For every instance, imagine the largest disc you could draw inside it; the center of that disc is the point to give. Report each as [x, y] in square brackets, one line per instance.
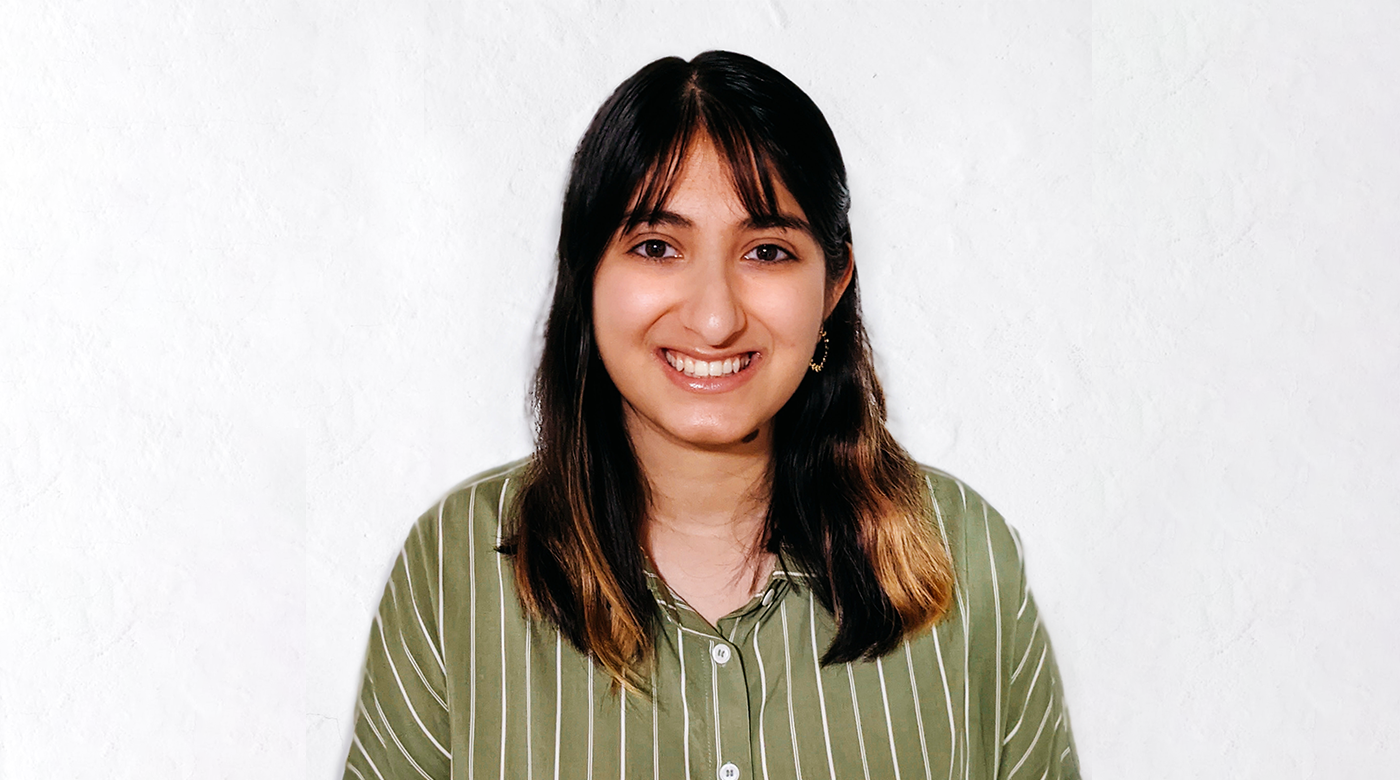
[709, 358]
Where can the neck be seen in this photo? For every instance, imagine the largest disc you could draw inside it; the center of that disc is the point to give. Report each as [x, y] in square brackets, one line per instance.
[703, 488]
[704, 526]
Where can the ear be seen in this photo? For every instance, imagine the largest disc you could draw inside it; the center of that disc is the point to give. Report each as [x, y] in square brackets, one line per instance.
[838, 287]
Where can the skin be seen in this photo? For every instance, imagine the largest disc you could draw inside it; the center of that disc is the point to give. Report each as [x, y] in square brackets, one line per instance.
[707, 283]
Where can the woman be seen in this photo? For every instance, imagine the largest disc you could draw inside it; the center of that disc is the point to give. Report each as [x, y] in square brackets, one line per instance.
[717, 563]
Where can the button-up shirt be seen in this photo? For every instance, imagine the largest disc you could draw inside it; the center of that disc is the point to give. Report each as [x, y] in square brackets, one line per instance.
[459, 683]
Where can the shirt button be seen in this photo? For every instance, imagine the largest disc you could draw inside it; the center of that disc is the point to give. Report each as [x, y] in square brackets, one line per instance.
[720, 654]
[729, 772]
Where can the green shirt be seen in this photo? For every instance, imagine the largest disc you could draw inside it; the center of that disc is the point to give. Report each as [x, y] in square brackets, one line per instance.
[459, 684]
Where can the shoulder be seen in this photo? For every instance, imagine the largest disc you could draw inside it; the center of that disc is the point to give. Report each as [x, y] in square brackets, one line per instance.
[985, 549]
[469, 514]
[486, 490]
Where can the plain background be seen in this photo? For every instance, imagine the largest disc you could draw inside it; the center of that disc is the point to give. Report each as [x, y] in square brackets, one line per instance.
[272, 277]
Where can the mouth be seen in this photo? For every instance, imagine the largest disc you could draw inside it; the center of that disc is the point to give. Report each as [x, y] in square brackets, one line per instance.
[703, 369]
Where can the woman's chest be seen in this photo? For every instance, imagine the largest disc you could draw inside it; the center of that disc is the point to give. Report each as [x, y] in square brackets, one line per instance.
[749, 699]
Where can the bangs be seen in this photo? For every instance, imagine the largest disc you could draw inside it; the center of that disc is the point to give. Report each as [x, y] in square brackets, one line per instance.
[751, 165]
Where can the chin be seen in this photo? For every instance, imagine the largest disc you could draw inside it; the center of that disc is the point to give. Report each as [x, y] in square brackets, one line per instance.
[718, 438]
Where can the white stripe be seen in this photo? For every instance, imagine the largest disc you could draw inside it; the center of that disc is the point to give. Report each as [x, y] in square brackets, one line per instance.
[501, 510]
[404, 692]
[655, 741]
[1020, 552]
[370, 721]
[1030, 645]
[441, 599]
[469, 482]
[860, 732]
[701, 634]
[471, 663]
[590, 715]
[787, 678]
[967, 661]
[948, 697]
[486, 476]
[1061, 715]
[821, 694]
[714, 698]
[395, 737]
[1034, 740]
[352, 768]
[918, 709]
[413, 596]
[622, 734]
[558, 695]
[421, 677]
[996, 612]
[529, 700]
[967, 692]
[889, 724]
[763, 704]
[365, 753]
[685, 702]
[1029, 691]
[941, 473]
[501, 591]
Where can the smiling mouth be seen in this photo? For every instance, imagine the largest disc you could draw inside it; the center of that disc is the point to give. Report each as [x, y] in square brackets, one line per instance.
[701, 369]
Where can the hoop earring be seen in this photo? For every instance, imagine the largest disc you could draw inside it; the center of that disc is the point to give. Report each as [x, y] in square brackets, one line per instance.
[826, 352]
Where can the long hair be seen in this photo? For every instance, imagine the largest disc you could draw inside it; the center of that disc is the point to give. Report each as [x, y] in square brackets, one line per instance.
[847, 503]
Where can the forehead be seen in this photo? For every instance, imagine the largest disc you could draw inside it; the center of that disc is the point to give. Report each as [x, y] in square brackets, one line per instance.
[705, 180]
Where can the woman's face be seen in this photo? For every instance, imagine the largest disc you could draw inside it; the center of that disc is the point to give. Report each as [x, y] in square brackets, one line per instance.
[705, 320]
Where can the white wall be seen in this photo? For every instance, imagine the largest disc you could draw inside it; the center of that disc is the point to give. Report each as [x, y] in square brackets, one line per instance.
[271, 279]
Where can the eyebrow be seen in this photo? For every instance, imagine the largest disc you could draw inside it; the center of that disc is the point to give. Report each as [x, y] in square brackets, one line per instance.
[759, 222]
[654, 218]
[778, 221]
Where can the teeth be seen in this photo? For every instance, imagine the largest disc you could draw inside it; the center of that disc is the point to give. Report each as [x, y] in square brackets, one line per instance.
[702, 368]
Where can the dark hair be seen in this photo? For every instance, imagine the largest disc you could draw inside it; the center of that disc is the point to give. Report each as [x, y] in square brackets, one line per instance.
[847, 503]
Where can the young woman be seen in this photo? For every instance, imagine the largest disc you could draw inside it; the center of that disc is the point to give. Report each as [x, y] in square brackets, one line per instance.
[717, 563]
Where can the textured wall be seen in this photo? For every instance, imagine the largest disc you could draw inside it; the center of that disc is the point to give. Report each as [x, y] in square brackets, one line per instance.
[271, 278]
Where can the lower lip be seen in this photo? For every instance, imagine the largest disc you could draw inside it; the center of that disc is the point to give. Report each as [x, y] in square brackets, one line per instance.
[710, 384]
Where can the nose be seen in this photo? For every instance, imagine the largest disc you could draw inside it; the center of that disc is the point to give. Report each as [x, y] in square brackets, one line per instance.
[712, 306]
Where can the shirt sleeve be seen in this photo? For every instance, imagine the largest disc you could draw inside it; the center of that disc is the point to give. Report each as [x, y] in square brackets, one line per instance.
[1037, 743]
[401, 718]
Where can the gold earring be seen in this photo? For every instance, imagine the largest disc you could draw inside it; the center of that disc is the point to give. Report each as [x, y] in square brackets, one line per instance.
[826, 352]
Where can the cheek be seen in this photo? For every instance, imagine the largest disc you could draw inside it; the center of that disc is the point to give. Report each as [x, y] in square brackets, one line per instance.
[793, 312]
[624, 306]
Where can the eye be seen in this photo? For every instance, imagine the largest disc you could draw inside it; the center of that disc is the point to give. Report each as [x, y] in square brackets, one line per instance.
[654, 249]
[768, 253]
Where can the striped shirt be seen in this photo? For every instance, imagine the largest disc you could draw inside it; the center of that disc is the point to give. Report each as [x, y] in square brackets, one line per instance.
[460, 684]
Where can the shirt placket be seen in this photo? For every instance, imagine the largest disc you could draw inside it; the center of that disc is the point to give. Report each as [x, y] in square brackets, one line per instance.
[736, 630]
[717, 683]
